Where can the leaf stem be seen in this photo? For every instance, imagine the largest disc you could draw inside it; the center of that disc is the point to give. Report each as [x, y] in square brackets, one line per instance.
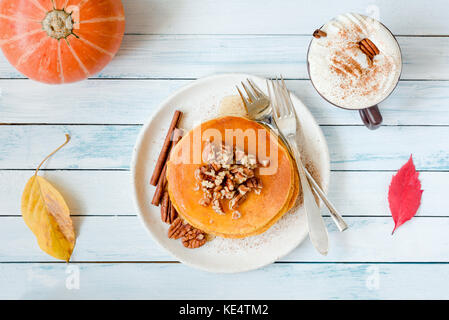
[67, 139]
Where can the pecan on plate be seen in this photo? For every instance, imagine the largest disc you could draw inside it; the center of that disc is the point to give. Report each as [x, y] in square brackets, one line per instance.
[168, 211]
[178, 229]
[194, 238]
[172, 214]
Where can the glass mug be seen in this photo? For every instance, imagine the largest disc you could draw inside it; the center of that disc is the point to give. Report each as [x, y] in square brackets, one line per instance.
[371, 116]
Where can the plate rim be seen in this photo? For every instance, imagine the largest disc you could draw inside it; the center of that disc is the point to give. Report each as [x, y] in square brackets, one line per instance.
[139, 141]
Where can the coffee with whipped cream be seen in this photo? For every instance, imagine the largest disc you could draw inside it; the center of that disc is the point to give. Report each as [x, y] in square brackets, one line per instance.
[354, 61]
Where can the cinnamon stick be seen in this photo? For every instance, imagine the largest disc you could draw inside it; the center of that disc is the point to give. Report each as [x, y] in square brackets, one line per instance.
[165, 208]
[160, 188]
[165, 149]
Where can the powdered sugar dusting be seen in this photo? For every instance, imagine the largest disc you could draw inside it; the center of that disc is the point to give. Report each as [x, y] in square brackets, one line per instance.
[239, 246]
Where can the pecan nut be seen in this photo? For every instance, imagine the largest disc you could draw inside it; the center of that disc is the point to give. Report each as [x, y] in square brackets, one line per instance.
[318, 33]
[217, 207]
[223, 179]
[172, 214]
[236, 215]
[178, 229]
[205, 201]
[243, 189]
[368, 48]
[235, 202]
[194, 238]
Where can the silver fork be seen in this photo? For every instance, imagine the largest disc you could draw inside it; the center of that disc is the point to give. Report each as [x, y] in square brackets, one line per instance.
[286, 120]
[259, 109]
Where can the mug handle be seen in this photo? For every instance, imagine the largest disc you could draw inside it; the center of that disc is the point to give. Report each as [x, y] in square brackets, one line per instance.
[371, 117]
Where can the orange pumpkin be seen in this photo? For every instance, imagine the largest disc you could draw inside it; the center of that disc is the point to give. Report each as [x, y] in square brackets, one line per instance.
[60, 41]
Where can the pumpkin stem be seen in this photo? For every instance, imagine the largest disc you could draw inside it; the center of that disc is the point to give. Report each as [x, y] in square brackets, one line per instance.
[58, 24]
[67, 139]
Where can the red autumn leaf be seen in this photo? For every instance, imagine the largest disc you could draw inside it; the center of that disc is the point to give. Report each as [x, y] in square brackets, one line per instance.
[405, 194]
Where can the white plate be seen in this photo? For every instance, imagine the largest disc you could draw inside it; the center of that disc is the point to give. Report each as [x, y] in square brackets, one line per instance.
[199, 101]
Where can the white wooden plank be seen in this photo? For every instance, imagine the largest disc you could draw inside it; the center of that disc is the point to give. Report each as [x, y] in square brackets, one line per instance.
[91, 147]
[365, 193]
[109, 192]
[368, 239]
[197, 56]
[286, 17]
[86, 192]
[357, 148]
[193, 56]
[110, 147]
[175, 281]
[96, 101]
[133, 101]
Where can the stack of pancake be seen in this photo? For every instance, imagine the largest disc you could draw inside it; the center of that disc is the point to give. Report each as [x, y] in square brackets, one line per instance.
[259, 211]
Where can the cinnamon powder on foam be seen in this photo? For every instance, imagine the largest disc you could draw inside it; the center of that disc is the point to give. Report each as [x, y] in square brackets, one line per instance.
[351, 73]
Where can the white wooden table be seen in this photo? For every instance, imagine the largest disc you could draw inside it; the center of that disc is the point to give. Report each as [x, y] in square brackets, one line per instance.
[169, 44]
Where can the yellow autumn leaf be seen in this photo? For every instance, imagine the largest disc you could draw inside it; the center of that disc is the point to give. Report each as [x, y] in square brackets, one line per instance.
[46, 213]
